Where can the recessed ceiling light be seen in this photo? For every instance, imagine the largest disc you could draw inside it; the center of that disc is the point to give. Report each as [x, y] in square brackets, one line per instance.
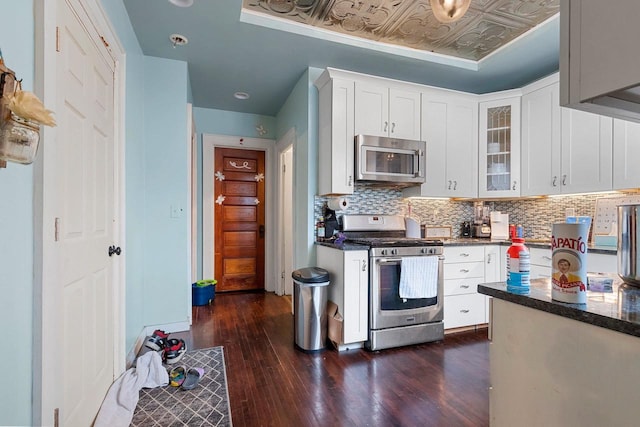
[241, 95]
[181, 3]
[178, 40]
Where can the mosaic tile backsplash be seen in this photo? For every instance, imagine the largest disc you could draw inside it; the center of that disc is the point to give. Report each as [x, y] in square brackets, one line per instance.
[535, 215]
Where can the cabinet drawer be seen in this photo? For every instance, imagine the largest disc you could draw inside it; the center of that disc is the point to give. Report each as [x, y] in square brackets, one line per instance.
[464, 270]
[540, 272]
[463, 254]
[540, 257]
[464, 310]
[461, 286]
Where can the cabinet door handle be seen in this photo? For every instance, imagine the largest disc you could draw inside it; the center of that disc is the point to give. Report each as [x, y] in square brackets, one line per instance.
[488, 258]
[393, 127]
[514, 185]
[464, 270]
[555, 180]
[548, 258]
[350, 179]
[455, 185]
[564, 179]
[386, 126]
[449, 185]
[364, 265]
[464, 255]
[464, 311]
[464, 286]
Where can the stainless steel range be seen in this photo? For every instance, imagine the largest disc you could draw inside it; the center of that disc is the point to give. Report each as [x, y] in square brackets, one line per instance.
[395, 320]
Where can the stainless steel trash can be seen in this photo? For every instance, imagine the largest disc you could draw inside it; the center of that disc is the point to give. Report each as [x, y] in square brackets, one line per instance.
[310, 308]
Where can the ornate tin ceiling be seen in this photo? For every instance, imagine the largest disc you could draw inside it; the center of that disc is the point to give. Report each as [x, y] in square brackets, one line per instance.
[487, 25]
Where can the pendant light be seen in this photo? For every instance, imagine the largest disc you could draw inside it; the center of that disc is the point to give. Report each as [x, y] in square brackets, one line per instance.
[447, 11]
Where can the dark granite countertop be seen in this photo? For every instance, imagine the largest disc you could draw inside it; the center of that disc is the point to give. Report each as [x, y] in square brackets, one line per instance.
[345, 246]
[475, 242]
[618, 310]
[539, 243]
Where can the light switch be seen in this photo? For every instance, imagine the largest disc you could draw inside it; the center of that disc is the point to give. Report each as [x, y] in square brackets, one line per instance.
[176, 211]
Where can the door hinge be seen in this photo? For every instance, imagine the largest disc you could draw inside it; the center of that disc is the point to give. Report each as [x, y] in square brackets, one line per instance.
[104, 41]
[282, 274]
[57, 39]
[284, 168]
[56, 416]
[56, 233]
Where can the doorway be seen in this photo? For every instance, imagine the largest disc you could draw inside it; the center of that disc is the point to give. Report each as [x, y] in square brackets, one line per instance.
[239, 216]
[210, 144]
[285, 228]
[80, 325]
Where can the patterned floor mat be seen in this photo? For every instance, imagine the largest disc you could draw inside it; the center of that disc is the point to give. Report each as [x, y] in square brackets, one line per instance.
[205, 405]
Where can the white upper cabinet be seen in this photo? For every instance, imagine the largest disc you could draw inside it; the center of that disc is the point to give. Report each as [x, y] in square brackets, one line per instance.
[563, 150]
[587, 150]
[387, 111]
[541, 141]
[450, 128]
[626, 154]
[598, 57]
[499, 148]
[335, 135]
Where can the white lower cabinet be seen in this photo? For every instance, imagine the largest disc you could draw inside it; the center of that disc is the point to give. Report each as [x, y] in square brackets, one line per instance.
[464, 269]
[349, 289]
[540, 263]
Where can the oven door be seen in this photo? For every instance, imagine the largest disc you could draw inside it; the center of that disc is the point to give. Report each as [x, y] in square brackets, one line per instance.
[387, 309]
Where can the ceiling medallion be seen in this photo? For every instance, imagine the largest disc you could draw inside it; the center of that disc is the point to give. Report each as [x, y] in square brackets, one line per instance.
[447, 11]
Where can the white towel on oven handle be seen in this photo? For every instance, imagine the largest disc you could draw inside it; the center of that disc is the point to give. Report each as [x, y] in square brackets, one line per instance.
[418, 277]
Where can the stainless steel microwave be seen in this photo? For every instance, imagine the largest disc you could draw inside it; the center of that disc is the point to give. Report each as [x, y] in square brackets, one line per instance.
[392, 161]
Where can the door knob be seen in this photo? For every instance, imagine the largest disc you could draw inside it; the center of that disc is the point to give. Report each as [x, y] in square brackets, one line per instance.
[114, 250]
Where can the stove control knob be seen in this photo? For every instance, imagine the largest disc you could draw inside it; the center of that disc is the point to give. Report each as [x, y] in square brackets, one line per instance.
[394, 251]
[424, 251]
[383, 252]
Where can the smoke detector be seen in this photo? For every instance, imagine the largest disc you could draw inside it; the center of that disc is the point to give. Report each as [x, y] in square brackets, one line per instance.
[178, 40]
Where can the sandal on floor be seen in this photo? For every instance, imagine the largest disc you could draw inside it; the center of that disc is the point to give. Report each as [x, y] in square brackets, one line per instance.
[193, 378]
[157, 341]
[177, 376]
[175, 349]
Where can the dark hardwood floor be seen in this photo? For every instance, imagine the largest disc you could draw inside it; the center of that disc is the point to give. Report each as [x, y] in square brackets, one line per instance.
[272, 384]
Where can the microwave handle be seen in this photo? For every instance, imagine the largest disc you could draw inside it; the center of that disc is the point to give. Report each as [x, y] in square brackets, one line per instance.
[416, 163]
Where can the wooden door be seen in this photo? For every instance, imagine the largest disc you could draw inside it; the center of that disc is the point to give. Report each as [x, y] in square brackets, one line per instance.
[86, 219]
[239, 219]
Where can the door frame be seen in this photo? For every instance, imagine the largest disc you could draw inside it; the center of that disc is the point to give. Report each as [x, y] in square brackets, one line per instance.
[209, 143]
[284, 144]
[47, 319]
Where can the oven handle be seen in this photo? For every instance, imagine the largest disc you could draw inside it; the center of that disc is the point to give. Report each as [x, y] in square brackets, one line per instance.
[383, 260]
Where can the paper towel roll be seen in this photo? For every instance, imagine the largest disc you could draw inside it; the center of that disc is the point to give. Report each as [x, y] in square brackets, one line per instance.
[338, 203]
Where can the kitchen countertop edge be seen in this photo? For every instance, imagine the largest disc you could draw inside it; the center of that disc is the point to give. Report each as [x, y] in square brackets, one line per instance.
[601, 309]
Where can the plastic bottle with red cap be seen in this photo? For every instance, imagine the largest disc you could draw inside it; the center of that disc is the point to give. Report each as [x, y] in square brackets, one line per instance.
[518, 267]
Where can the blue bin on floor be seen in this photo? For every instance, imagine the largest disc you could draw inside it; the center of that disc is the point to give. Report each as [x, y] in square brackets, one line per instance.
[203, 295]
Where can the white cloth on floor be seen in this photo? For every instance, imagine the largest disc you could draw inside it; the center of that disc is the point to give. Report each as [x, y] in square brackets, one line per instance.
[121, 400]
[419, 277]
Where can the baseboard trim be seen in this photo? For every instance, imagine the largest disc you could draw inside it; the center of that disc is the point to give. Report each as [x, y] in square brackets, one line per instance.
[133, 353]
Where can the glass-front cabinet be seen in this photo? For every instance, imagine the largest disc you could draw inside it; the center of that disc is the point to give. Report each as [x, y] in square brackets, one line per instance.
[499, 153]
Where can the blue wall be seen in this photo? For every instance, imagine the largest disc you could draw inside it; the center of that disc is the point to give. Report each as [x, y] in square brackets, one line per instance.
[16, 233]
[166, 264]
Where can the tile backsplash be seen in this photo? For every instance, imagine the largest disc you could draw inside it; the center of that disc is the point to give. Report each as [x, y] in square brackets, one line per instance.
[535, 215]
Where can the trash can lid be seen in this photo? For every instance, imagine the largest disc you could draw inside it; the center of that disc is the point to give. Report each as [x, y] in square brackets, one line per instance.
[311, 275]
